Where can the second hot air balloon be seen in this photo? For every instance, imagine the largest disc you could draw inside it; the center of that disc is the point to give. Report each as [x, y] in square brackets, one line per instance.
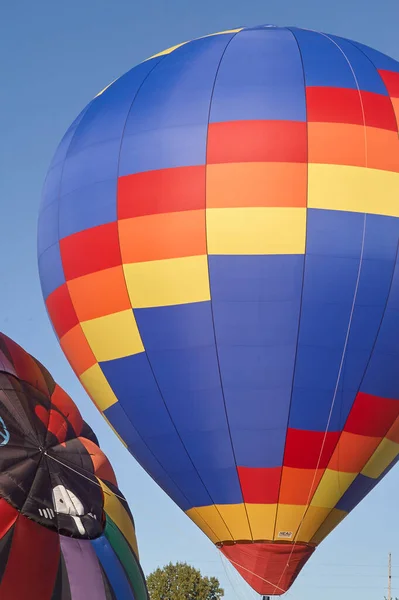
[66, 531]
[218, 246]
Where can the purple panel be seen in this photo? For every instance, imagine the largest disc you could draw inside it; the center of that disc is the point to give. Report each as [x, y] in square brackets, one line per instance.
[84, 572]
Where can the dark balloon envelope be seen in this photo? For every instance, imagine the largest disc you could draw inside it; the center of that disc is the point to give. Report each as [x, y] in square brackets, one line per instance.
[218, 256]
[66, 531]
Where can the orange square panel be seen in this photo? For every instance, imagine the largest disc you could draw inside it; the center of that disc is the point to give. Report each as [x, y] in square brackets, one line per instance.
[167, 235]
[353, 452]
[298, 485]
[77, 350]
[99, 294]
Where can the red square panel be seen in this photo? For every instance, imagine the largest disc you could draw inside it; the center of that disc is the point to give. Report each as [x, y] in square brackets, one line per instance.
[378, 111]
[162, 191]
[61, 310]
[260, 486]
[372, 416]
[334, 105]
[309, 449]
[257, 141]
[391, 81]
[90, 251]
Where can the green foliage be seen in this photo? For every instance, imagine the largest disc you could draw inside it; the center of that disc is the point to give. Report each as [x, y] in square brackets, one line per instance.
[182, 582]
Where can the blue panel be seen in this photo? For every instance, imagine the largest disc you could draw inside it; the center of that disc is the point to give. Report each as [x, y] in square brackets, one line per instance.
[200, 419]
[168, 124]
[179, 341]
[260, 77]
[316, 369]
[93, 164]
[186, 369]
[140, 381]
[256, 302]
[255, 278]
[263, 409]
[47, 230]
[196, 410]
[50, 270]
[133, 382]
[53, 180]
[212, 454]
[324, 64]
[94, 152]
[209, 449]
[375, 282]
[87, 207]
[222, 484]
[330, 279]
[271, 323]
[382, 237]
[324, 325]
[329, 287]
[334, 242]
[134, 385]
[163, 149]
[334, 233]
[64, 145]
[248, 368]
[381, 61]
[143, 455]
[259, 448]
[186, 375]
[365, 72]
[106, 117]
[365, 323]
[113, 569]
[387, 342]
[382, 376]
[355, 493]
[173, 327]
[361, 486]
[52, 186]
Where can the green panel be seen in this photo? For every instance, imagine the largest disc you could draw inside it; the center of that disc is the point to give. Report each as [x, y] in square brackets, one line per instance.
[127, 558]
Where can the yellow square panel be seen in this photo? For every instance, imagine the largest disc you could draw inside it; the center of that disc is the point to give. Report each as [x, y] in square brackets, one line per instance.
[331, 488]
[256, 230]
[355, 189]
[386, 452]
[96, 385]
[314, 518]
[168, 282]
[332, 520]
[289, 517]
[236, 519]
[261, 519]
[113, 336]
[209, 519]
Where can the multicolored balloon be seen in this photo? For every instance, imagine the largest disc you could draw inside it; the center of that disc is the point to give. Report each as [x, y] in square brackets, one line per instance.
[218, 246]
[66, 531]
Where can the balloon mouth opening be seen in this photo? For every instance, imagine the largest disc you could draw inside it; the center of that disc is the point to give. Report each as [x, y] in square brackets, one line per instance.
[270, 568]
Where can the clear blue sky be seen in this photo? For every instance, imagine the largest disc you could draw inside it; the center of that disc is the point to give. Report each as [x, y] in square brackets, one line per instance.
[55, 56]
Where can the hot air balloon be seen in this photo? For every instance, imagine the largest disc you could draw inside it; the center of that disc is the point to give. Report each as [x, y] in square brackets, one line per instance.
[217, 246]
[66, 531]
